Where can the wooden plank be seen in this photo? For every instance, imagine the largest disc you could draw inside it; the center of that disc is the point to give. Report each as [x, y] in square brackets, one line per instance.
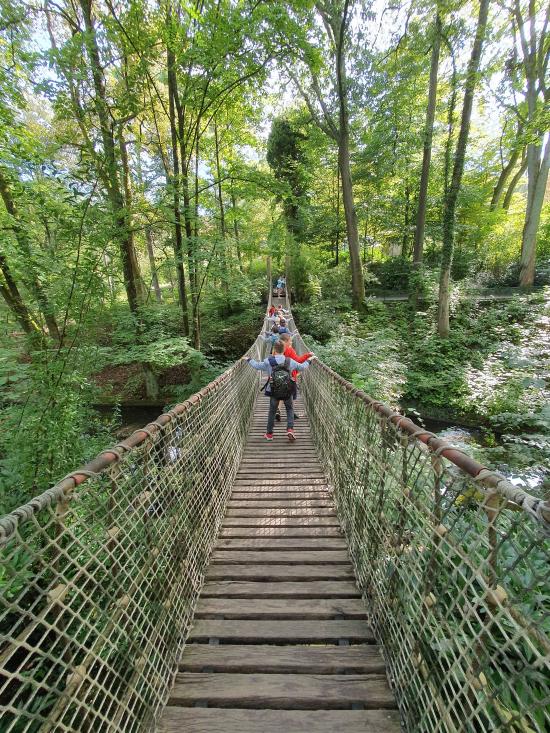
[282, 462]
[272, 691]
[296, 503]
[281, 557]
[240, 496]
[261, 443]
[299, 449]
[281, 632]
[276, 477]
[287, 659]
[281, 521]
[277, 573]
[282, 543]
[286, 589]
[280, 531]
[293, 485]
[282, 512]
[280, 608]
[212, 720]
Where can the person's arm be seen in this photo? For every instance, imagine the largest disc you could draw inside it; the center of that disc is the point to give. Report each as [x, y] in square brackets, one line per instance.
[261, 366]
[294, 365]
[299, 359]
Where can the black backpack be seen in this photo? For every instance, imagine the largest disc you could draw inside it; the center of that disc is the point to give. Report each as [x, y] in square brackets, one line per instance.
[281, 379]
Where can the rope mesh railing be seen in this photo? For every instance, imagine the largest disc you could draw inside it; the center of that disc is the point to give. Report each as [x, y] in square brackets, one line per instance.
[100, 574]
[453, 561]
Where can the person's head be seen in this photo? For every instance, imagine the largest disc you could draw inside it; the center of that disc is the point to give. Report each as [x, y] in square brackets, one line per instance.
[283, 322]
[275, 329]
[279, 347]
[286, 338]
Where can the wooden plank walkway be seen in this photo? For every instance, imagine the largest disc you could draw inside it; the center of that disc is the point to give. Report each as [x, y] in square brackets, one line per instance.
[281, 642]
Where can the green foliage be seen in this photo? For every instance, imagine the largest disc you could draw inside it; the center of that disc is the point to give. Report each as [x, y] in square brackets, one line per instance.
[49, 428]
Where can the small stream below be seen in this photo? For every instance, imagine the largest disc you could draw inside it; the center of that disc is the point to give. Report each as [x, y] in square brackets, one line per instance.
[499, 454]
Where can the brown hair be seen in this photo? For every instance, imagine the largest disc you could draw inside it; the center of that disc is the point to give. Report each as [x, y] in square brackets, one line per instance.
[286, 337]
[279, 347]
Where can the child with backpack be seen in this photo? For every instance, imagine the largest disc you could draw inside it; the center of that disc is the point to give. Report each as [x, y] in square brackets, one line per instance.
[279, 386]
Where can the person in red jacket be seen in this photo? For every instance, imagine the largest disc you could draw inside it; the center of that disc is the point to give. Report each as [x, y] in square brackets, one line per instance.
[289, 351]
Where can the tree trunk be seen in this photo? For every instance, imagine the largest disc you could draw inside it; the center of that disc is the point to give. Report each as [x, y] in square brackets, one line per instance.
[534, 44]
[449, 213]
[337, 244]
[428, 136]
[140, 286]
[236, 228]
[447, 159]
[14, 301]
[502, 179]
[225, 268]
[191, 262]
[152, 263]
[357, 281]
[116, 199]
[33, 281]
[195, 241]
[532, 217]
[405, 242]
[175, 184]
[513, 183]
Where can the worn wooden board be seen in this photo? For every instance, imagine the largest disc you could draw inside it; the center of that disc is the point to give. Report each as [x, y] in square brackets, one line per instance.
[242, 494]
[288, 659]
[298, 511]
[276, 477]
[280, 608]
[300, 483]
[282, 543]
[281, 521]
[276, 631]
[286, 589]
[281, 557]
[270, 573]
[300, 449]
[289, 461]
[296, 503]
[212, 720]
[288, 691]
[281, 531]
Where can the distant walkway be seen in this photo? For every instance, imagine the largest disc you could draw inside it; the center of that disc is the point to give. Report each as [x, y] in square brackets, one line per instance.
[486, 295]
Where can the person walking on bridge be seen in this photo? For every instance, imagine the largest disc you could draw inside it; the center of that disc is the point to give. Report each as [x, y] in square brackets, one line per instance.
[286, 338]
[279, 386]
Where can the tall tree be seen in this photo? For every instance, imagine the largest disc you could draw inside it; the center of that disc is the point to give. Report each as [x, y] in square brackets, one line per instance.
[103, 152]
[451, 198]
[285, 158]
[335, 16]
[427, 150]
[532, 20]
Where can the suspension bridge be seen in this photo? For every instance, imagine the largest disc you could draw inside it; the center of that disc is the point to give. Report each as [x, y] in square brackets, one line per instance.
[369, 577]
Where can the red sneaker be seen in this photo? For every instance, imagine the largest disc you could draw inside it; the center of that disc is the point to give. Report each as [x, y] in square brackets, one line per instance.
[268, 436]
[290, 435]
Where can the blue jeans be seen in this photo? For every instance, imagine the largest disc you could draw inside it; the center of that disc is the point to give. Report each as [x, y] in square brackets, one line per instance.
[273, 404]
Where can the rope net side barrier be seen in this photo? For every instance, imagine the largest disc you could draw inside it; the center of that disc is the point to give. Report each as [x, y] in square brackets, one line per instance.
[453, 561]
[101, 573]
